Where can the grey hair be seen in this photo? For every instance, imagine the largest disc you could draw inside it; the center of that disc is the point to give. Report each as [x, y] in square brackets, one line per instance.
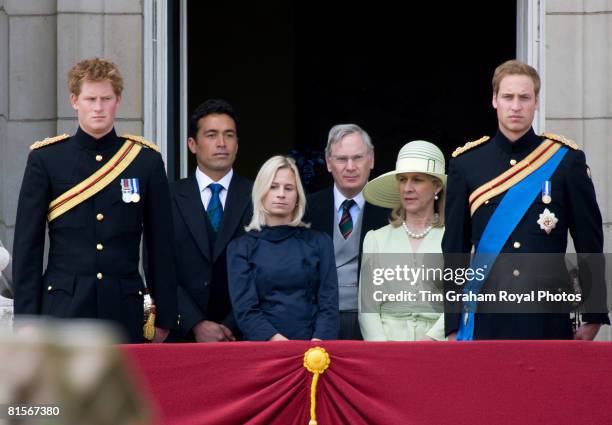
[340, 131]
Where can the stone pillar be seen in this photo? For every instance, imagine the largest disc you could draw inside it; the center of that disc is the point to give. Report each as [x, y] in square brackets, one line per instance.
[27, 92]
[4, 63]
[106, 28]
[579, 89]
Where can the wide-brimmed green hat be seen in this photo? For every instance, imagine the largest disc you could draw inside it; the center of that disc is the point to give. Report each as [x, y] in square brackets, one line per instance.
[417, 156]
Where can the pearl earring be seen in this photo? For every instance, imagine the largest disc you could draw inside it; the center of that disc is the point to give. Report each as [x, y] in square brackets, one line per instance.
[436, 197]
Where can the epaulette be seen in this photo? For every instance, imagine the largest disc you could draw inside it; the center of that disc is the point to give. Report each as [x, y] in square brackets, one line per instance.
[48, 141]
[561, 139]
[470, 145]
[141, 141]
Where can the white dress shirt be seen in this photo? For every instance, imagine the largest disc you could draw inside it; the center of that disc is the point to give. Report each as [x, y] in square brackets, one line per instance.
[205, 193]
[355, 210]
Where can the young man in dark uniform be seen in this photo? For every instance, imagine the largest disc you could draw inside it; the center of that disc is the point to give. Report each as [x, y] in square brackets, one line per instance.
[521, 193]
[97, 192]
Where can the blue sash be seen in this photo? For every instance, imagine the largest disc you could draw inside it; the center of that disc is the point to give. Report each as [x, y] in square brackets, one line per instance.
[502, 223]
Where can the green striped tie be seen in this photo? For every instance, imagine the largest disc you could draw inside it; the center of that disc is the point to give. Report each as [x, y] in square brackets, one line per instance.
[346, 221]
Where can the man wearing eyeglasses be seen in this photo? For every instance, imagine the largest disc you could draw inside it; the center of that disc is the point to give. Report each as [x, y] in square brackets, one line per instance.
[342, 212]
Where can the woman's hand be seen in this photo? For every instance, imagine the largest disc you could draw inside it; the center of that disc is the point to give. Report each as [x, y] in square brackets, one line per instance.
[278, 337]
[426, 338]
[160, 335]
[587, 331]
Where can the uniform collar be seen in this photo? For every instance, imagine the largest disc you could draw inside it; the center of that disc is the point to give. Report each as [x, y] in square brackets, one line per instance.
[86, 141]
[527, 142]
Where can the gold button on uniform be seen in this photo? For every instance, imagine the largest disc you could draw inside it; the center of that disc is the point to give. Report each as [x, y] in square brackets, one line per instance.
[100, 217]
[513, 162]
[99, 247]
[517, 245]
[99, 158]
[516, 273]
[99, 276]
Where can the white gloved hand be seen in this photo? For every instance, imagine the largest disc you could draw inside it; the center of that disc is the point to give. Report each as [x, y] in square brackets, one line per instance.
[4, 258]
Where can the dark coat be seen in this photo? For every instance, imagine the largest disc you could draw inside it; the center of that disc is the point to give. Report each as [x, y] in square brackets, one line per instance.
[321, 214]
[200, 257]
[92, 271]
[573, 203]
[283, 279]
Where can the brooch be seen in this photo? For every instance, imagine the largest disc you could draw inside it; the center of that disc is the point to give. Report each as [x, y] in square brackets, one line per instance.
[547, 221]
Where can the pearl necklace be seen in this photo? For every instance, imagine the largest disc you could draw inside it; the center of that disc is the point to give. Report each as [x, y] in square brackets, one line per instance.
[416, 235]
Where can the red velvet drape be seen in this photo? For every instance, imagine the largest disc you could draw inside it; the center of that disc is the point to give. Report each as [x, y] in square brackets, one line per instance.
[493, 383]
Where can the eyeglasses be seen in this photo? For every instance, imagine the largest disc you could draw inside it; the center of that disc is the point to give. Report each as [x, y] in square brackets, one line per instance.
[344, 159]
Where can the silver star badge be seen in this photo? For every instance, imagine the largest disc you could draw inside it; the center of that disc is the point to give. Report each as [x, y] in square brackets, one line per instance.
[547, 221]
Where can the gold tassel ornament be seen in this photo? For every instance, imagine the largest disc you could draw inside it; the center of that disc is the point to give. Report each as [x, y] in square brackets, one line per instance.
[149, 318]
[316, 360]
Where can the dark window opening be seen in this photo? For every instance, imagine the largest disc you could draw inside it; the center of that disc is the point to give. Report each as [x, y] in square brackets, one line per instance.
[294, 69]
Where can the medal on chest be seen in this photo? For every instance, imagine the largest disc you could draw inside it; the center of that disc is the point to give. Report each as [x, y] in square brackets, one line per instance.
[547, 221]
[130, 190]
[546, 190]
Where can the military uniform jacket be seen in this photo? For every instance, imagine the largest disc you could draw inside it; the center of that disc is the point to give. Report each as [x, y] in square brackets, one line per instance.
[574, 205]
[94, 253]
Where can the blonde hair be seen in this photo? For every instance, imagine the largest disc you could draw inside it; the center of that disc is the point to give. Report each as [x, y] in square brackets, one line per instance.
[398, 213]
[514, 67]
[262, 185]
[94, 69]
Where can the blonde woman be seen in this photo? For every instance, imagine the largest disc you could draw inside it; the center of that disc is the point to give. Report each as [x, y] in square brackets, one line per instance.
[415, 193]
[282, 275]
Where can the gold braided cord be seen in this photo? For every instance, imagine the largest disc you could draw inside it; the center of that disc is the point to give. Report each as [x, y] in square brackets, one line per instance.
[561, 139]
[491, 184]
[96, 182]
[316, 361]
[469, 145]
[492, 190]
[142, 141]
[48, 141]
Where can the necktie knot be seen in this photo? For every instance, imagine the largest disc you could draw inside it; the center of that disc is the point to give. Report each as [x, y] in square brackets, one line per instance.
[347, 204]
[215, 188]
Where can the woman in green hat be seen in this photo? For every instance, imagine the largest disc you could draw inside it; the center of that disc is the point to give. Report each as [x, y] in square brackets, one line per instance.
[401, 270]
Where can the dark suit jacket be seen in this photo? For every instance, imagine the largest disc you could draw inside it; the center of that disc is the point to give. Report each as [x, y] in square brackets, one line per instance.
[320, 212]
[200, 256]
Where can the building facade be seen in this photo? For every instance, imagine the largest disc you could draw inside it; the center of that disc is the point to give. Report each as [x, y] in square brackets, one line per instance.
[568, 41]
